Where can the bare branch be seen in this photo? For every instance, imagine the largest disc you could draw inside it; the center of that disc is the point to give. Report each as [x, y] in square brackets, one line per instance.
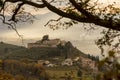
[28, 3]
[11, 25]
[53, 20]
[16, 11]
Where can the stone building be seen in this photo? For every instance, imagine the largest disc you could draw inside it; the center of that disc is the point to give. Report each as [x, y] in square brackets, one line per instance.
[46, 42]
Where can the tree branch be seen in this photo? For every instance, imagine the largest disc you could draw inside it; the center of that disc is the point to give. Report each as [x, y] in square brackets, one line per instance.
[53, 20]
[89, 17]
[80, 9]
[28, 3]
[64, 14]
[16, 11]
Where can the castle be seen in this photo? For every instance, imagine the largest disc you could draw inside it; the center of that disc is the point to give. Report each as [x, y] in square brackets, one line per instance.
[46, 42]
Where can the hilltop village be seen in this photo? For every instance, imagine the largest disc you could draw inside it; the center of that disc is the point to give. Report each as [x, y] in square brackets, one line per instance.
[45, 42]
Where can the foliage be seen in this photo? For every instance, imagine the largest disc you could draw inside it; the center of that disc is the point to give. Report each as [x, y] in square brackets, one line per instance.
[110, 63]
[79, 73]
[19, 68]
[110, 67]
[1, 3]
[92, 57]
[6, 76]
[110, 39]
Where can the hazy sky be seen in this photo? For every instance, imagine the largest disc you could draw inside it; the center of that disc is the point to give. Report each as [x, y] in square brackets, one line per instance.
[82, 39]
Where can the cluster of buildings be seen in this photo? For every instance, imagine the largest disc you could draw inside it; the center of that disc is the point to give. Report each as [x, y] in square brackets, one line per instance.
[85, 63]
[47, 63]
[53, 43]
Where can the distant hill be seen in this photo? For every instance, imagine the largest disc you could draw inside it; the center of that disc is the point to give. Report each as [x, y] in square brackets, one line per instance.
[6, 48]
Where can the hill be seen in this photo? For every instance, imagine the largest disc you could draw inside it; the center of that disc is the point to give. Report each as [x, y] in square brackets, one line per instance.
[45, 49]
[9, 51]
[6, 48]
[56, 54]
[43, 53]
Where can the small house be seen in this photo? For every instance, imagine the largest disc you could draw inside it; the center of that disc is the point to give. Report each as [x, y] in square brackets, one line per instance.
[67, 62]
